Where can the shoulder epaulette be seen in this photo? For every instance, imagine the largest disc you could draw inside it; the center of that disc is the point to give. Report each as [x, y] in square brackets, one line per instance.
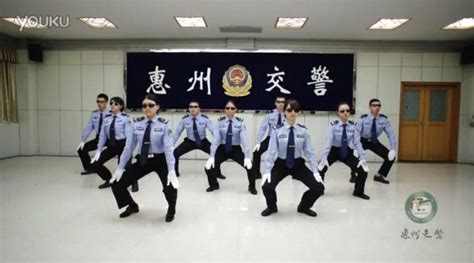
[239, 119]
[221, 118]
[95, 111]
[185, 116]
[383, 115]
[162, 120]
[278, 126]
[301, 125]
[334, 122]
[269, 111]
[363, 116]
[352, 122]
[204, 115]
[124, 114]
[138, 119]
[108, 115]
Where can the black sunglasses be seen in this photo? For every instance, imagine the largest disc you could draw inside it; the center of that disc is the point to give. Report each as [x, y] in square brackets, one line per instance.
[101, 101]
[342, 111]
[193, 106]
[375, 105]
[290, 110]
[114, 103]
[229, 108]
[148, 105]
[280, 101]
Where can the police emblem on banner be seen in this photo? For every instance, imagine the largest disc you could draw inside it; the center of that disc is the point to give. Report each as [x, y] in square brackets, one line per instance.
[237, 81]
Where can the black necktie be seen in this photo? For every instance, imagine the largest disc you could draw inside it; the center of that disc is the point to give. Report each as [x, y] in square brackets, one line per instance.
[290, 149]
[228, 137]
[279, 119]
[373, 132]
[196, 133]
[112, 133]
[145, 150]
[100, 124]
[343, 149]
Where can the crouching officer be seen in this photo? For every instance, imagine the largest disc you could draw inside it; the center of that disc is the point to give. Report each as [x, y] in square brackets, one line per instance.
[195, 124]
[340, 134]
[289, 141]
[230, 142]
[152, 134]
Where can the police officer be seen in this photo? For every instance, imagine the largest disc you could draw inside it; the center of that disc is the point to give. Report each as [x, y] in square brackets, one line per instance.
[153, 136]
[289, 141]
[112, 135]
[195, 124]
[274, 118]
[370, 127]
[339, 135]
[94, 124]
[230, 141]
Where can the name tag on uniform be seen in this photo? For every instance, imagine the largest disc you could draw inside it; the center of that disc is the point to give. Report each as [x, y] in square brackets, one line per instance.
[157, 129]
[140, 128]
[282, 136]
[299, 135]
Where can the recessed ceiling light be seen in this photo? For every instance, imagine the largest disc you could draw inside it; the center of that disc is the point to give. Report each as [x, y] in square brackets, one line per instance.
[462, 24]
[291, 22]
[388, 23]
[24, 22]
[191, 21]
[97, 22]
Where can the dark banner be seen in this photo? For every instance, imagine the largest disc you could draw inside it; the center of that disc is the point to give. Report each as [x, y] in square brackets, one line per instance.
[318, 81]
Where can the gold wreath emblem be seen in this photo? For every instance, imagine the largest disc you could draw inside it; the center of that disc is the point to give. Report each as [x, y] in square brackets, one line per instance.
[237, 81]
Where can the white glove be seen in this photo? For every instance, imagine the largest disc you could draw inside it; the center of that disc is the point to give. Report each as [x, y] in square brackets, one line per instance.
[210, 163]
[322, 164]
[81, 146]
[257, 147]
[117, 175]
[364, 165]
[96, 157]
[356, 154]
[318, 178]
[391, 155]
[173, 179]
[266, 178]
[247, 163]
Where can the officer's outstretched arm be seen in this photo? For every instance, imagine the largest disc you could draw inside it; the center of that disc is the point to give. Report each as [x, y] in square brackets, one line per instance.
[168, 147]
[130, 145]
[310, 153]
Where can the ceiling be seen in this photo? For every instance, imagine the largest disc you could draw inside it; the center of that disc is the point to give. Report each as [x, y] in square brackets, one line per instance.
[328, 19]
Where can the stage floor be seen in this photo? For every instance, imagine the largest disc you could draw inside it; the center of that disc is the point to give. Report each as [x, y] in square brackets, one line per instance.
[51, 213]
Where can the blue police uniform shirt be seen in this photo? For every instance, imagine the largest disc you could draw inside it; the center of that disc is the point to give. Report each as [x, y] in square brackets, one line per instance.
[364, 125]
[160, 140]
[334, 137]
[270, 121]
[121, 126]
[93, 123]
[202, 122]
[239, 135]
[279, 142]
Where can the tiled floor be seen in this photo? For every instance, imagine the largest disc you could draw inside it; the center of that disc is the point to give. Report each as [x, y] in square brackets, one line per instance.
[51, 213]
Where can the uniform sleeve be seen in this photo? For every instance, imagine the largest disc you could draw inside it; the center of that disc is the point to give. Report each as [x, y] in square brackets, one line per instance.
[327, 143]
[130, 145]
[358, 144]
[391, 136]
[102, 139]
[216, 140]
[168, 147]
[360, 126]
[310, 153]
[210, 127]
[272, 150]
[263, 128]
[244, 141]
[178, 131]
[87, 130]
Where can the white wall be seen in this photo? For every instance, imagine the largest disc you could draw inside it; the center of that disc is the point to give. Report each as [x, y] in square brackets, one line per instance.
[9, 140]
[57, 96]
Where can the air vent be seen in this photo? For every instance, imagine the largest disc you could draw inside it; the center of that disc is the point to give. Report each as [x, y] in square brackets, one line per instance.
[241, 29]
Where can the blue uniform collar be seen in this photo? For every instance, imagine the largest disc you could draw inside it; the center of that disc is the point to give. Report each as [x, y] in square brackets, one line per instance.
[154, 120]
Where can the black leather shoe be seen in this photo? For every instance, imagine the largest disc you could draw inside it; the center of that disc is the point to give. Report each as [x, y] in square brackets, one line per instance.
[104, 185]
[131, 209]
[169, 218]
[307, 211]
[252, 190]
[87, 172]
[353, 178]
[269, 211]
[362, 195]
[220, 176]
[212, 188]
[381, 179]
[135, 187]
